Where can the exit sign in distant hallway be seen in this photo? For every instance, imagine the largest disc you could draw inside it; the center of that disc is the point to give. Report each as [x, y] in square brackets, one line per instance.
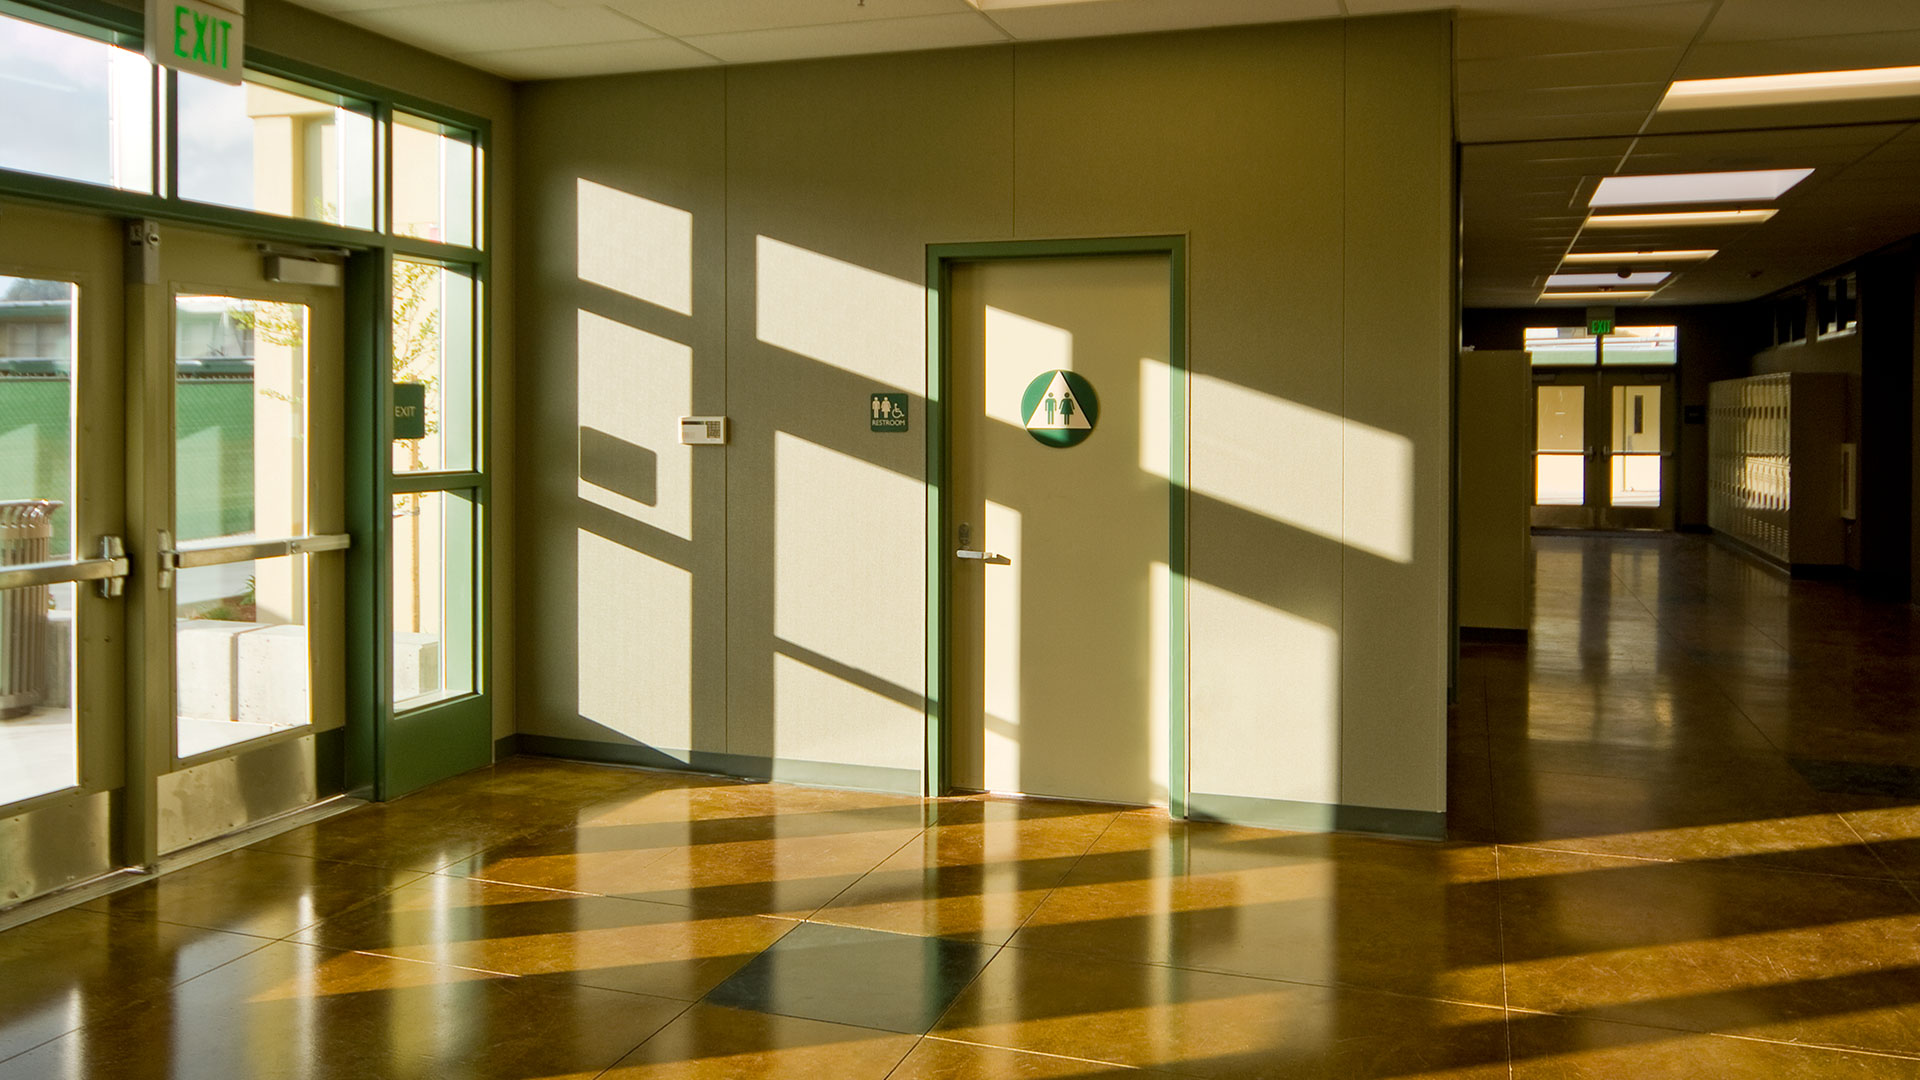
[204, 39]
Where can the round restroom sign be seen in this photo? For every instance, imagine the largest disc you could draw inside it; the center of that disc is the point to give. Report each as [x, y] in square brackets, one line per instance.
[1060, 408]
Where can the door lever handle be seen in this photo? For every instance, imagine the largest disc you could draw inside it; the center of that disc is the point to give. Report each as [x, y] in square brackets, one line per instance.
[993, 557]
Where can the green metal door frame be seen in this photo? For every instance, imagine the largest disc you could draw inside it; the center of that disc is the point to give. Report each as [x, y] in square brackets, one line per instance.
[387, 754]
[941, 259]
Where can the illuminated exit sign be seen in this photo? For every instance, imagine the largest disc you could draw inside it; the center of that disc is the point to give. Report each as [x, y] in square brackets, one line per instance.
[187, 35]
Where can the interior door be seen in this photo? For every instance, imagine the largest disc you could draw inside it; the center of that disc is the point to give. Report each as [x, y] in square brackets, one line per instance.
[1059, 546]
[237, 502]
[1603, 449]
[62, 618]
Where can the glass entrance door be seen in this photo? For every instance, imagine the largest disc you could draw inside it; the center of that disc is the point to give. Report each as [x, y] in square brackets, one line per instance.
[172, 626]
[240, 511]
[62, 494]
[1603, 449]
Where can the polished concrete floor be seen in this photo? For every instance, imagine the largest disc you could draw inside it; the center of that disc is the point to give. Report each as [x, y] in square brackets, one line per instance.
[1688, 844]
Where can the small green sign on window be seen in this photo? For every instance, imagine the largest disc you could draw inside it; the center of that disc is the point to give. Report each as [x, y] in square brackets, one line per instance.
[889, 412]
[409, 410]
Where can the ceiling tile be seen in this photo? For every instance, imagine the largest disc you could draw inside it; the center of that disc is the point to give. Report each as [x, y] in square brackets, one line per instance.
[606, 58]
[847, 39]
[1793, 20]
[1654, 26]
[1030, 21]
[1475, 127]
[1809, 52]
[682, 19]
[495, 25]
[1567, 69]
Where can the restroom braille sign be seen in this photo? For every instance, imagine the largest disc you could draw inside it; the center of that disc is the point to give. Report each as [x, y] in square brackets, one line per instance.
[889, 412]
[1060, 408]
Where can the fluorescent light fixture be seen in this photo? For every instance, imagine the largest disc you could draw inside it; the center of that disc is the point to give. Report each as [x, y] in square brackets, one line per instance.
[1862, 84]
[1641, 294]
[1755, 185]
[1683, 217]
[1604, 279]
[1617, 258]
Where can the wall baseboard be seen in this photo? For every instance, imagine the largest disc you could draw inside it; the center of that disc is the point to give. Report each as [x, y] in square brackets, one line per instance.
[741, 766]
[1317, 817]
[1492, 635]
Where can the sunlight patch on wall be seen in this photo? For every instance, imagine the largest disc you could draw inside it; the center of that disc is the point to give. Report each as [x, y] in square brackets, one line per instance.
[853, 318]
[818, 716]
[1266, 700]
[1018, 348]
[633, 389]
[1002, 650]
[1331, 476]
[635, 246]
[635, 633]
[850, 561]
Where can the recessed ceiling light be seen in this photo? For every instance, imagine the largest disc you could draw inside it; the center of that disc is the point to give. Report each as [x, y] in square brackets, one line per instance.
[1640, 294]
[1574, 281]
[1615, 258]
[1797, 88]
[1684, 217]
[1756, 185]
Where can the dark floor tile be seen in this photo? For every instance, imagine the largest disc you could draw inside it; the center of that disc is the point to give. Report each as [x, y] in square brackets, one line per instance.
[75, 967]
[600, 941]
[848, 975]
[708, 1041]
[1209, 1024]
[256, 892]
[293, 1010]
[1568, 1048]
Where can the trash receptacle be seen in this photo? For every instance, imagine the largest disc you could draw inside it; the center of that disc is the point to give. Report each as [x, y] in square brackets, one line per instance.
[26, 534]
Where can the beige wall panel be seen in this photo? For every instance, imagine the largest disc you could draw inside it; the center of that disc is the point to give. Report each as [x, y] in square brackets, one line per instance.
[839, 174]
[1309, 167]
[624, 332]
[1232, 137]
[1495, 489]
[1399, 277]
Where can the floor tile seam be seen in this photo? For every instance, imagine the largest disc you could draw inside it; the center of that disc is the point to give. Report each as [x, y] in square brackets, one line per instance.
[1500, 935]
[1716, 864]
[655, 1033]
[582, 893]
[143, 999]
[1058, 883]
[1834, 1048]
[1904, 881]
[365, 865]
[1203, 970]
[148, 917]
[353, 907]
[860, 877]
[1102, 1062]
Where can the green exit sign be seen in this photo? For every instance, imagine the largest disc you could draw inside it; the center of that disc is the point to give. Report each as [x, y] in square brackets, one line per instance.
[201, 38]
[1599, 327]
[409, 410]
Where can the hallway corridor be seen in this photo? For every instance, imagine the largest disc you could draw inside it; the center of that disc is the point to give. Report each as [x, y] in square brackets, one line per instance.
[1687, 845]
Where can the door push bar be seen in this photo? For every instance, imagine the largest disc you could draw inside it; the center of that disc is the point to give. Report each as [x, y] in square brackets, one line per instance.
[173, 559]
[109, 571]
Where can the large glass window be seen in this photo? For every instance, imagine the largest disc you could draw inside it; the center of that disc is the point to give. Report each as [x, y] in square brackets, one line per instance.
[433, 347]
[1642, 346]
[434, 170]
[433, 597]
[74, 107]
[278, 149]
[1561, 346]
[39, 749]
